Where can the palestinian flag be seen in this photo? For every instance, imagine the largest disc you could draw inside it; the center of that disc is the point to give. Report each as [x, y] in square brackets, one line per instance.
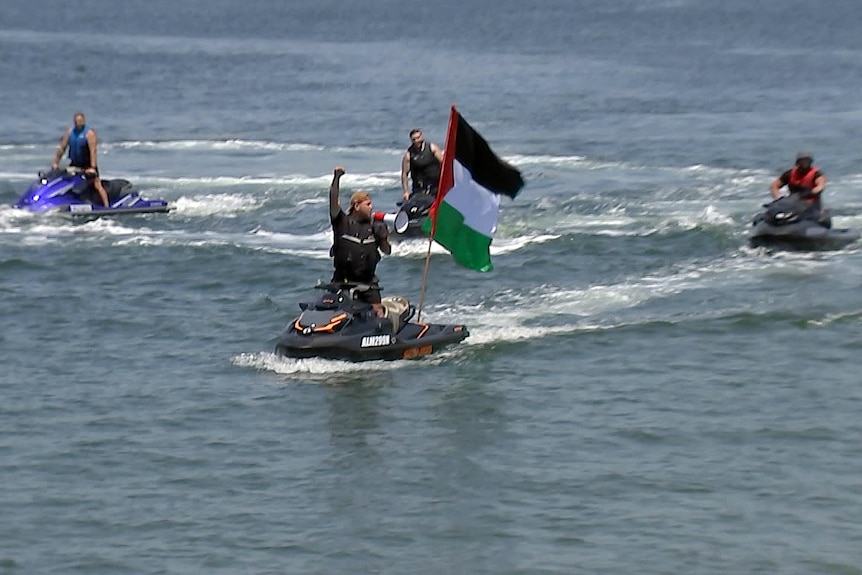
[463, 218]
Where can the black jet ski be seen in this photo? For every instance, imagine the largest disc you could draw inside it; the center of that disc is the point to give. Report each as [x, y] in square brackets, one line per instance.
[338, 326]
[415, 209]
[793, 223]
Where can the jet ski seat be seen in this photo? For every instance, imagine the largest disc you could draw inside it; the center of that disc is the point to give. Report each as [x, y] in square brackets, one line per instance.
[116, 188]
[394, 307]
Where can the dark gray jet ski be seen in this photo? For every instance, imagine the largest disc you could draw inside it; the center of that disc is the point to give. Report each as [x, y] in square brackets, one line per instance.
[795, 223]
[415, 210]
[338, 326]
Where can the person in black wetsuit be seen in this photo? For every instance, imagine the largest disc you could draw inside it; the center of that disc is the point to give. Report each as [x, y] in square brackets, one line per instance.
[422, 162]
[82, 142]
[357, 242]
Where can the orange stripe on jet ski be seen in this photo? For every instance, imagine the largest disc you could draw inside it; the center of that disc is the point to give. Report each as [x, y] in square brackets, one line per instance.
[424, 329]
[333, 323]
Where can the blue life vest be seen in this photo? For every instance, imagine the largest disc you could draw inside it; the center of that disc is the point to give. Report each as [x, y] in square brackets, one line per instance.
[79, 149]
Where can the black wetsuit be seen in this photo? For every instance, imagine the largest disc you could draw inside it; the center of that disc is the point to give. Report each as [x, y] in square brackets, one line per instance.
[355, 252]
[424, 169]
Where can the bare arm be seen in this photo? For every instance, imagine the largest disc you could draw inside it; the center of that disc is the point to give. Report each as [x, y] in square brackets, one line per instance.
[438, 152]
[819, 184]
[334, 189]
[64, 141]
[92, 142]
[775, 188]
[405, 169]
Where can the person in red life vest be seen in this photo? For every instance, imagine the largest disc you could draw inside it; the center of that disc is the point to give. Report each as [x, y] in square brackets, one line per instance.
[357, 242]
[421, 162]
[803, 178]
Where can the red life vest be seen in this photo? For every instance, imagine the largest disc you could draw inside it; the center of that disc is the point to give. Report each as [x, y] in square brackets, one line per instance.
[800, 180]
[802, 183]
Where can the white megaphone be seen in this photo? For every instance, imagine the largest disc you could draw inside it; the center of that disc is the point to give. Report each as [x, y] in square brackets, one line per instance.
[398, 221]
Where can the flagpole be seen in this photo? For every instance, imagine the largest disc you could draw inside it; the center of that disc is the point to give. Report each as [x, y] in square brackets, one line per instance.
[424, 279]
[445, 176]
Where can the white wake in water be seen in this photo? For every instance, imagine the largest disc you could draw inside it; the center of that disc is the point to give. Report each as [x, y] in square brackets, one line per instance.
[318, 369]
[586, 309]
[592, 308]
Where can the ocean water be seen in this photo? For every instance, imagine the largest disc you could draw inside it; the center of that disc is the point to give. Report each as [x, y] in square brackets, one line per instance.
[640, 393]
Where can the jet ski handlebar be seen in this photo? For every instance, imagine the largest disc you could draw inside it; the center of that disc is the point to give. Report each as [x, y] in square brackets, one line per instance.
[58, 172]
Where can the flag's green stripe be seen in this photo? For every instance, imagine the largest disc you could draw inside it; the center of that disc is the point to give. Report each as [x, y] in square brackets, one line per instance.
[469, 248]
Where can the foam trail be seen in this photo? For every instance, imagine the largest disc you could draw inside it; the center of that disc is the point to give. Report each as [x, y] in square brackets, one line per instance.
[374, 180]
[418, 247]
[211, 145]
[217, 204]
[243, 145]
[319, 369]
[512, 321]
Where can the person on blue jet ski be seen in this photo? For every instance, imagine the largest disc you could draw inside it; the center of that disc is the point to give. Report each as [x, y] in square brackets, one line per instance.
[357, 242]
[82, 141]
[803, 178]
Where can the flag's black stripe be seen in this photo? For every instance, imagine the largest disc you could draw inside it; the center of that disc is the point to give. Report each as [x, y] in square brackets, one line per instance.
[489, 171]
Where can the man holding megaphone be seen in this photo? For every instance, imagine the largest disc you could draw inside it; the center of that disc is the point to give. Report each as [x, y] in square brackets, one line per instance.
[358, 240]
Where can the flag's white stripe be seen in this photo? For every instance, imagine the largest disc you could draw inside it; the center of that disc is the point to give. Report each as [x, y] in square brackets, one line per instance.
[479, 206]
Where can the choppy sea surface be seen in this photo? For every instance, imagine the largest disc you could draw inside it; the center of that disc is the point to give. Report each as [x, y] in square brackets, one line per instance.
[641, 392]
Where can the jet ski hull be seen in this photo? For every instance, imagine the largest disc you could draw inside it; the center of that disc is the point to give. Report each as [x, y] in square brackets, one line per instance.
[337, 326]
[416, 208]
[71, 192]
[406, 344]
[414, 230]
[793, 223]
[805, 236]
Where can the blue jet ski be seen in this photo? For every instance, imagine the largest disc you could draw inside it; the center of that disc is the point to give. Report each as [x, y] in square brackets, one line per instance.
[70, 190]
[338, 326]
[793, 223]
